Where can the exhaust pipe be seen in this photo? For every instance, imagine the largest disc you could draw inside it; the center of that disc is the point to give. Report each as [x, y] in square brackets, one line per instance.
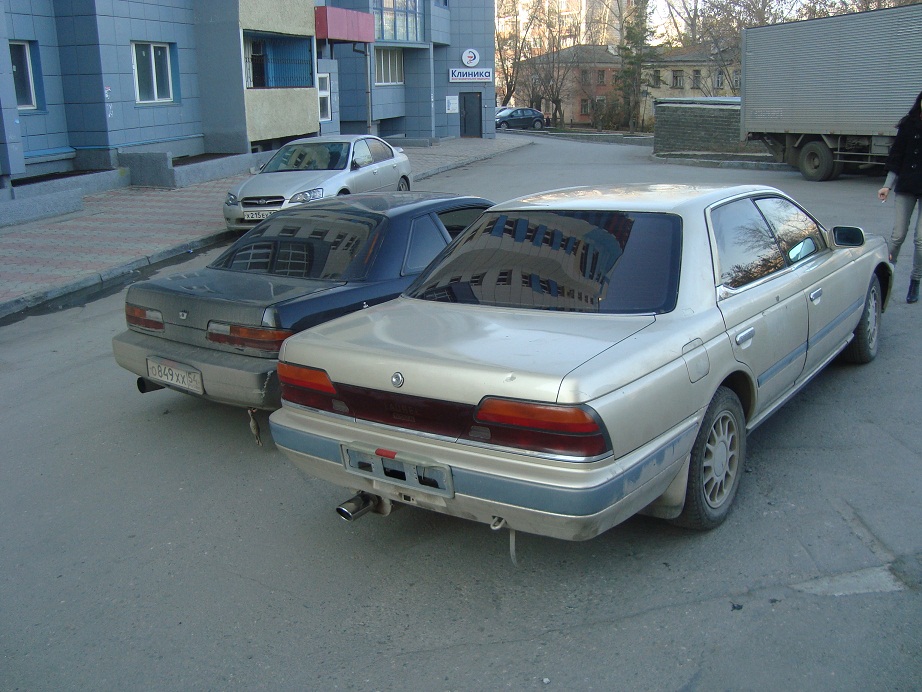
[145, 386]
[357, 506]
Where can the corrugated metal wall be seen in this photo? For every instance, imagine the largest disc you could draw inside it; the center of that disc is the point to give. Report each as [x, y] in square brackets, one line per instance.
[851, 74]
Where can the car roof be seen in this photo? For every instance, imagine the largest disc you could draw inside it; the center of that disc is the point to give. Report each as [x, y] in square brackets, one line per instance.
[330, 138]
[634, 197]
[382, 203]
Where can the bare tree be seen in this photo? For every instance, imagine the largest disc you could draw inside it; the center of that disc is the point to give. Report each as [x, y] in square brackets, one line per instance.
[812, 9]
[548, 72]
[513, 29]
[604, 21]
[716, 26]
[684, 21]
[692, 22]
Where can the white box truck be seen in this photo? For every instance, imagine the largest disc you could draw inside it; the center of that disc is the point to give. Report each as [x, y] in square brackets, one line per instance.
[825, 95]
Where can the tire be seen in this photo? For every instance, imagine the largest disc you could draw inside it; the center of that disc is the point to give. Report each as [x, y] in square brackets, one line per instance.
[716, 465]
[403, 185]
[342, 192]
[863, 346]
[504, 126]
[816, 162]
[538, 124]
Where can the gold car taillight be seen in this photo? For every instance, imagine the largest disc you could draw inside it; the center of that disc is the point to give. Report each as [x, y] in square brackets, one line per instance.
[306, 378]
[310, 387]
[571, 430]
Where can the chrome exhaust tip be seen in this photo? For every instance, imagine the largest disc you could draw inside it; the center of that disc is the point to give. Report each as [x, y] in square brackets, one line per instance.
[357, 506]
[145, 386]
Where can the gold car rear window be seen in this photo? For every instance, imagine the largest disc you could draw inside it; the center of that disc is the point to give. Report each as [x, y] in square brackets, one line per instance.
[576, 261]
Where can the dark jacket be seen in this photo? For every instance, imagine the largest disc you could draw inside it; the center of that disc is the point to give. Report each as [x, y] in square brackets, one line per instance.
[905, 158]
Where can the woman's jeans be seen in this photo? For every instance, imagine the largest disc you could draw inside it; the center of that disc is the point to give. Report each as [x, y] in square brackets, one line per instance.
[904, 207]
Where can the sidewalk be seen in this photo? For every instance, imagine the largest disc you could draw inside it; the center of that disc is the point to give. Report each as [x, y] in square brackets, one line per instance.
[123, 230]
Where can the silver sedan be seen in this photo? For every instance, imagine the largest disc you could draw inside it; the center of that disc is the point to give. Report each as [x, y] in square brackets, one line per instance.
[582, 355]
[314, 168]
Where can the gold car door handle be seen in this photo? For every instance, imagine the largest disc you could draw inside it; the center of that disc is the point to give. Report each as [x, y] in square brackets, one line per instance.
[745, 336]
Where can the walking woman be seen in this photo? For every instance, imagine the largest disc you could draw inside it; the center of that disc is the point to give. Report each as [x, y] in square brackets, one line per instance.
[904, 169]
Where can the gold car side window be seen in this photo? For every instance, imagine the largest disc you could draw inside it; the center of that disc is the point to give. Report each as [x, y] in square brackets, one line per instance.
[798, 234]
[746, 248]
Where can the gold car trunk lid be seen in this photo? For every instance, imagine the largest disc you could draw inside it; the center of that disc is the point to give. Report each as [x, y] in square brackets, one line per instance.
[458, 353]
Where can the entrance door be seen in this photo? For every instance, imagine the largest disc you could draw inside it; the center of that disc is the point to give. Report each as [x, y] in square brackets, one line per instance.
[471, 125]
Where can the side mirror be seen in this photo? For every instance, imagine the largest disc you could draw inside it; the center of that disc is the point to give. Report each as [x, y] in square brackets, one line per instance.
[848, 236]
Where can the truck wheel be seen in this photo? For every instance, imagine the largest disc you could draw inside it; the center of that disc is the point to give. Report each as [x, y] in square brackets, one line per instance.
[816, 162]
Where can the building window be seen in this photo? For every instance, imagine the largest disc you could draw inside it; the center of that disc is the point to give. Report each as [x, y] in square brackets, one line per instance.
[696, 79]
[23, 78]
[388, 66]
[153, 76]
[323, 93]
[737, 78]
[719, 80]
[678, 79]
[584, 76]
[584, 107]
[600, 78]
[273, 62]
[255, 62]
[657, 78]
[398, 20]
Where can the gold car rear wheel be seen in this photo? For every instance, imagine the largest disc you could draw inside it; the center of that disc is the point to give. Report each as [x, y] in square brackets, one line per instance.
[717, 460]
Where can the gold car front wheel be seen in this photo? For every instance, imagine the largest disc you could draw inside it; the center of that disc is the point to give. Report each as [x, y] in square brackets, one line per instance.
[717, 460]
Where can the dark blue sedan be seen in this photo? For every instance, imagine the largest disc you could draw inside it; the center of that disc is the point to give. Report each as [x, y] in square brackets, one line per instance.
[527, 118]
[216, 333]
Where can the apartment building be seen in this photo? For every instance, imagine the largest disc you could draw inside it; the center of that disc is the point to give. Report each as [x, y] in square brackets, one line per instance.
[87, 84]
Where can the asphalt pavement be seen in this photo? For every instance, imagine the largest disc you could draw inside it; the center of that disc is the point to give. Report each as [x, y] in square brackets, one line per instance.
[126, 230]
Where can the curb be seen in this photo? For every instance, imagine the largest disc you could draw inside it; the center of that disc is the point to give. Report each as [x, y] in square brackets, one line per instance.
[114, 276]
[720, 163]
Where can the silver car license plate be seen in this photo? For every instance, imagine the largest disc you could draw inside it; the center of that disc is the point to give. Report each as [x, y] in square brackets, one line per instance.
[258, 215]
[175, 374]
[408, 471]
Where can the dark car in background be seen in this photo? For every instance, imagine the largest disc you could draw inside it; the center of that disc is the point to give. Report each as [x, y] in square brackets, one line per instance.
[216, 332]
[525, 118]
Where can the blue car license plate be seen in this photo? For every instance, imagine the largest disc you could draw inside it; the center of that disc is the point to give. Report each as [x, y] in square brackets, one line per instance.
[174, 374]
